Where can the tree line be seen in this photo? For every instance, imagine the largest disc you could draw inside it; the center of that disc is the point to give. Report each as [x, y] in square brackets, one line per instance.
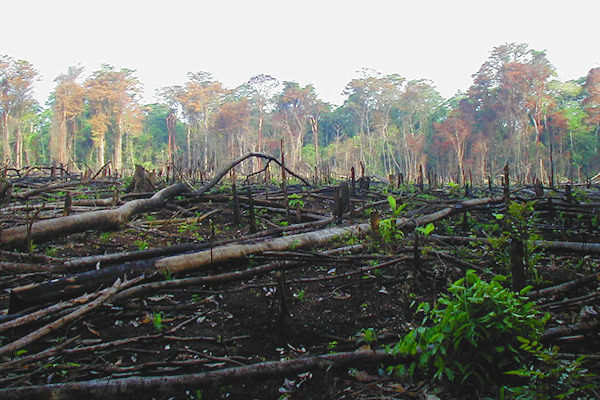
[514, 112]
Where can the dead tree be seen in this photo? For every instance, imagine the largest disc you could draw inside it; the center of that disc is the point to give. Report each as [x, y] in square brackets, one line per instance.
[341, 200]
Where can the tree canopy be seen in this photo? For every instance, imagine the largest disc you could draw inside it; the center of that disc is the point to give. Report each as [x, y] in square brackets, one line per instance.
[514, 112]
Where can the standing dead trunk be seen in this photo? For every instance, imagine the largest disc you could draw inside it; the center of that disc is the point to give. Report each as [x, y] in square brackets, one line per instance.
[314, 123]
[171, 121]
[118, 150]
[18, 148]
[5, 138]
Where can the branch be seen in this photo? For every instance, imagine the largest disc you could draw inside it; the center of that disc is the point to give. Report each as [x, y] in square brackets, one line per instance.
[110, 387]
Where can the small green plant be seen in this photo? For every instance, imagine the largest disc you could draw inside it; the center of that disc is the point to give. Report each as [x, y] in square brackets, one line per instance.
[31, 246]
[295, 200]
[20, 352]
[388, 230]
[396, 209]
[425, 230]
[141, 244]
[331, 346]
[474, 331]
[150, 218]
[157, 320]
[51, 251]
[197, 298]
[187, 227]
[167, 274]
[367, 336]
[521, 223]
[454, 189]
[549, 376]
[105, 237]
[349, 239]
[387, 227]
[300, 294]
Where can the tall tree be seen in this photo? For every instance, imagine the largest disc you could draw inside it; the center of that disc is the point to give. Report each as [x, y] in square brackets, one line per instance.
[232, 123]
[456, 130]
[592, 99]
[294, 106]
[510, 94]
[111, 95]
[68, 105]
[16, 99]
[261, 88]
[200, 99]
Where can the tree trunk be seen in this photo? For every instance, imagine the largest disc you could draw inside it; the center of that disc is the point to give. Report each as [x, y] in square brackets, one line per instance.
[118, 150]
[171, 121]
[101, 151]
[315, 128]
[18, 147]
[259, 144]
[5, 139]
[167, 384]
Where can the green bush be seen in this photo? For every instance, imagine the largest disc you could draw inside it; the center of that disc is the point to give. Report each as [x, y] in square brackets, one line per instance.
[474, 334]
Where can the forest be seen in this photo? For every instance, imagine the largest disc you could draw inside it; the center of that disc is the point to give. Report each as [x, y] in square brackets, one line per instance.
[515, 112]
[259, 243]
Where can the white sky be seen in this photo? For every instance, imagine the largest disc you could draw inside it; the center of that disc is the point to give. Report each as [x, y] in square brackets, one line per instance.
[322, 42]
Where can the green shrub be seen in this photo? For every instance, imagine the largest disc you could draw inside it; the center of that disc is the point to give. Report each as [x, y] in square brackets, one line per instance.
[474, 333]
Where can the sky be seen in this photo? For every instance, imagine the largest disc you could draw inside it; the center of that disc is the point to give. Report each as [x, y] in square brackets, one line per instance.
[321, 42]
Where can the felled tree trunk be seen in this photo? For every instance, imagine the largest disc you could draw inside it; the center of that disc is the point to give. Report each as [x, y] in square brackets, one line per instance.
[51, 228]
[185, 263]
[107, 388]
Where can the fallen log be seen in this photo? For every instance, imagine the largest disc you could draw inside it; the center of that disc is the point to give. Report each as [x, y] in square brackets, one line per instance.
[548, 245]
[75, 285]
[49, 229]
[571, 329]
[44, 330]
[111, 387]
[224, 277]
[564, 287]
[33, 294]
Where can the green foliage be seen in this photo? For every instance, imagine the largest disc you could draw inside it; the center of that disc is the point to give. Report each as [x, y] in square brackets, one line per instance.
[157, 320]
[295, 200]
[349, 239]
[474, 331]
[331, 346]
[141, 244]
[167, 274]
[300, 294]
[387, 227]
[454, 189]
[20, 352]
[31, 246]
[105, 237]
[187, 227]
[425, 230]
[550, 377]
[396, 209]
[388, 230]
[521, 223]
[51, 251]
[367, 336]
